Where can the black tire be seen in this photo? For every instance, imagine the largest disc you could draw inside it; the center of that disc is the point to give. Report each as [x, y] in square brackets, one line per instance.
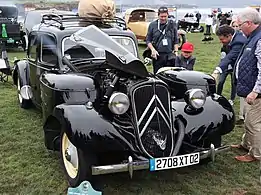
[25, 104]
[182, 40]
[85, 161]
[24, 43]
[201, 29]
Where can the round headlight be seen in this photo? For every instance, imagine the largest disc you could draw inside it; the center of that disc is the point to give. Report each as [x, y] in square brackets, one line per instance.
[196, 98]
[119, 103]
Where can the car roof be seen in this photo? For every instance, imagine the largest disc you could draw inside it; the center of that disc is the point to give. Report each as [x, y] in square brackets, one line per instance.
[3, 4]
[70, 30]
[130, 10]
[34, 17]
[49, 11]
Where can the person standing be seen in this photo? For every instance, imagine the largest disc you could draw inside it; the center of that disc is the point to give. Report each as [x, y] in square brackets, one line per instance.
[233, 42]
[162, 40]
[248, 78]
[198, 16]
[241, 115]
[214, 24]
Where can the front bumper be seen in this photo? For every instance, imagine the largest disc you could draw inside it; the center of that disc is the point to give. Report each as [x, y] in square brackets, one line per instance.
[142, 165]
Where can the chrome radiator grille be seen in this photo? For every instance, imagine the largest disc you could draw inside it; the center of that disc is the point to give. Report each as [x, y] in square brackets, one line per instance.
[152, 115]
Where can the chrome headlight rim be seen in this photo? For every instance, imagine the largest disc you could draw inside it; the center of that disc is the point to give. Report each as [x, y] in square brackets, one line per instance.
[115, 103]
[193, 95]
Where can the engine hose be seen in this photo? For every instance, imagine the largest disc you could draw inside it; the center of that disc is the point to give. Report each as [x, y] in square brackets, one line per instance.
[111, 87]
[181, 134]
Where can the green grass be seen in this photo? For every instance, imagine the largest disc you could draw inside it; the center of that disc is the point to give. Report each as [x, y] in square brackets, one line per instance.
[27, 167]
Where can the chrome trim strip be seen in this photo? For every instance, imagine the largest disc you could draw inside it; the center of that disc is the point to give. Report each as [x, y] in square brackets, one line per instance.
[141, 165]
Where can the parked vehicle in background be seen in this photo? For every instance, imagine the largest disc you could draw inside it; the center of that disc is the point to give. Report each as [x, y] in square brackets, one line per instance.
[9, 23]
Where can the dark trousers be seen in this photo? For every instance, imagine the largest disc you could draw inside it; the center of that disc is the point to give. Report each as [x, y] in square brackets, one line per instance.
[208, 28]
[221, 82]
[161, 61]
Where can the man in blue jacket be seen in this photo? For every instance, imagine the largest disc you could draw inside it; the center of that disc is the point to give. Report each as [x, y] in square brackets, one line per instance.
[233, 42]
[247, 72]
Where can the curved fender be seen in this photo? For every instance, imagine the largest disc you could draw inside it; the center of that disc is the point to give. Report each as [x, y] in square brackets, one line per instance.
[87, 129]
[21, 68]
[182, 32]
[216, 115]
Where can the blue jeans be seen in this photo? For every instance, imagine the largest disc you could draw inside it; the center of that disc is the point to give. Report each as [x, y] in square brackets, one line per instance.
[221, 82]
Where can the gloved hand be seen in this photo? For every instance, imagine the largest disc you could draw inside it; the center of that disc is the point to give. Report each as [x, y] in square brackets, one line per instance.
[154, 53]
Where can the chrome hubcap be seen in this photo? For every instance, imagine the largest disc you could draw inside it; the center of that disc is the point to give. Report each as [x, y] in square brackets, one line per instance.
[70, 156]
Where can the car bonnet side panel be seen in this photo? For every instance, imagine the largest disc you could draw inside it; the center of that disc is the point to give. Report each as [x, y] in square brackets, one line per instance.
[217, 116]
[86, 128]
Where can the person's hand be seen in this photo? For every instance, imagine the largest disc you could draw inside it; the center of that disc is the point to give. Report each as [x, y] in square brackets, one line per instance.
[154, 53]
[216, 75]
[175, 53]
[251, 97]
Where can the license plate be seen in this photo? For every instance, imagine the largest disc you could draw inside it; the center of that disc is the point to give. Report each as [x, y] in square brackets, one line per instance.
[174, 162]
[10, 41]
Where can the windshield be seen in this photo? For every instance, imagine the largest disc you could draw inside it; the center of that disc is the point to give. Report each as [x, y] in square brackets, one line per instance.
[91, 42]
[8, 12]
[143, 16]
[151, 16]
[80, 52]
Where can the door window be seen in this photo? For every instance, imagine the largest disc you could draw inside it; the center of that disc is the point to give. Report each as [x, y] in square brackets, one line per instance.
[48, 50]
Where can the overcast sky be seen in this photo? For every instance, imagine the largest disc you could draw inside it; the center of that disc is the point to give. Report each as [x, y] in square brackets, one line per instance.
[200, 3]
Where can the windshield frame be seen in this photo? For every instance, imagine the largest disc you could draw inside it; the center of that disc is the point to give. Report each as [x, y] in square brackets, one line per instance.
[116, 36]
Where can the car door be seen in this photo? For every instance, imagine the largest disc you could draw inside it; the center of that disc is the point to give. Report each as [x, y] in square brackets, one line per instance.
[32, 55]
[46, 60]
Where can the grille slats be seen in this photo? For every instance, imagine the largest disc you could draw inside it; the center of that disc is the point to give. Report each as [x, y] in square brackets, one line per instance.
[151, 105]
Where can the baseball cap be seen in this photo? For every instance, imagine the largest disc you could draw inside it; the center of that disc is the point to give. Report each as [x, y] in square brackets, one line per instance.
[189, 47]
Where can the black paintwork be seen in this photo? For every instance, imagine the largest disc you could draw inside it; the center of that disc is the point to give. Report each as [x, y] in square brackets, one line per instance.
[75, 102]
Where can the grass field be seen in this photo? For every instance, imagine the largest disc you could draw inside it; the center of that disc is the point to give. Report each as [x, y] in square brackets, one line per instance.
[26, 167]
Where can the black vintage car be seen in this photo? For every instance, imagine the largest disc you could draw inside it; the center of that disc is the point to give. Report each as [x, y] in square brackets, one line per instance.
[105, 112]
[9, 23]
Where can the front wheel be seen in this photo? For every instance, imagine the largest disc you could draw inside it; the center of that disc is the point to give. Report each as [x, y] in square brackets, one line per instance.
[76, 163]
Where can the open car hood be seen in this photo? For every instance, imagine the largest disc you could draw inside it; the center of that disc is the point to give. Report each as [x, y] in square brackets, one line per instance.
[101, 45]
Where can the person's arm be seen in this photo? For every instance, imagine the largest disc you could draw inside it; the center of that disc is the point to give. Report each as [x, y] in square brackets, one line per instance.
[176, 39]
[257, 87]
[230, 57]
[149, 37]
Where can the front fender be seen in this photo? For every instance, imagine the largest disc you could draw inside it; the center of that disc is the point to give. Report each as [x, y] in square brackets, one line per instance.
[87, 129]
[182, 32]
[217, 115]
[21, 69]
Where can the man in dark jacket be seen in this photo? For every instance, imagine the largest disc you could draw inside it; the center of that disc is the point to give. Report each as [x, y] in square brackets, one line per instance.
[162, 40]
[233, 42]
[248, 76]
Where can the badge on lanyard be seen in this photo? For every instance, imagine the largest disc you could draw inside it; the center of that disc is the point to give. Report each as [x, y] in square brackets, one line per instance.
[164, 41]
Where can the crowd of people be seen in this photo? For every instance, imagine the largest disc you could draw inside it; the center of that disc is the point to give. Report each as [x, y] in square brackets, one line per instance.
[240, 58]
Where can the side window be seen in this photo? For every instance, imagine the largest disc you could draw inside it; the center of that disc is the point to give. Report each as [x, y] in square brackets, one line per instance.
[32, 49]
[48, 50]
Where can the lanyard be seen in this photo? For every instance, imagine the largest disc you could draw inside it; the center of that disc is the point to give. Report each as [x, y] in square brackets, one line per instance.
[163, 32]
